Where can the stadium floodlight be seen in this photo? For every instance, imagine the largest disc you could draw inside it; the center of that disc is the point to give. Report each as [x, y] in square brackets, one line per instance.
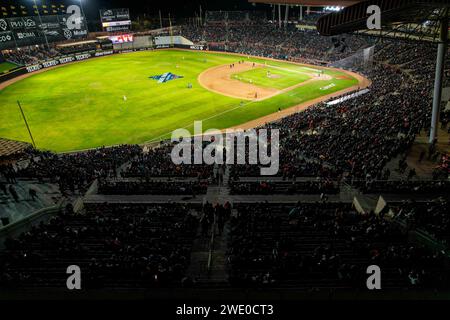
[40, 21]
[333, 8]
[82, 12]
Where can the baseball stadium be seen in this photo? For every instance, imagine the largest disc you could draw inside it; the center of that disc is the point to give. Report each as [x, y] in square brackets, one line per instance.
[135, 143]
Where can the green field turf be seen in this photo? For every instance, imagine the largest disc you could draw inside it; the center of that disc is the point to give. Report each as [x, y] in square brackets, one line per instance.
[280, 78]
[6, 66]
[81, 105]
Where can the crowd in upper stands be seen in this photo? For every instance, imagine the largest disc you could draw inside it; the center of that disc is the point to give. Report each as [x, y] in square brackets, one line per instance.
[266, 40]
[30, 55]
[158, 163]
[294, 187]
[75, 172]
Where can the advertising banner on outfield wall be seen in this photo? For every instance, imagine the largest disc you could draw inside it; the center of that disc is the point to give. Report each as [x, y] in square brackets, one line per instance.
[67, 59]
[26, 31]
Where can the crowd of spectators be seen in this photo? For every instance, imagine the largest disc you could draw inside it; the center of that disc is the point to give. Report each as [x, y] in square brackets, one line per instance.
[325, 245]
[157, 162]
[281, 187]
[417, 187]
[153, 187]
[30, 55]
[115, 245]
[75, 172]
[264, 39]
[429, 216]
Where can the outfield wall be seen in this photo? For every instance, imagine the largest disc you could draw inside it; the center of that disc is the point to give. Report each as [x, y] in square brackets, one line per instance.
[139, 42]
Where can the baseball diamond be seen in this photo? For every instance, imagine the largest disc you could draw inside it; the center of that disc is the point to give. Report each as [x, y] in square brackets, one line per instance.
[60, 101]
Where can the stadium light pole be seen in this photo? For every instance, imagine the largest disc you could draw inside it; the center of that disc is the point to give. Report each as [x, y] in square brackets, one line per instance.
[440, 62]
[26, 123]
[279, 16]
[40, 21]
[84, 16]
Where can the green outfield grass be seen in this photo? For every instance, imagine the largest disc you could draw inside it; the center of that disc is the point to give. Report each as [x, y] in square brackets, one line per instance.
[6, 66]
[279, 78]
[81, 105]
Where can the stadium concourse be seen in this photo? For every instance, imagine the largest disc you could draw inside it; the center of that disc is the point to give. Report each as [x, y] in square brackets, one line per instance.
[356, 187]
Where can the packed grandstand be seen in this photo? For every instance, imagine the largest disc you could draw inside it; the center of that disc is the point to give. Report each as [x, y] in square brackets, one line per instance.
[357, 185]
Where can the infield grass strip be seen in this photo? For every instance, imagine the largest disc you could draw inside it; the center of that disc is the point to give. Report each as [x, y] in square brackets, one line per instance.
[276, 78]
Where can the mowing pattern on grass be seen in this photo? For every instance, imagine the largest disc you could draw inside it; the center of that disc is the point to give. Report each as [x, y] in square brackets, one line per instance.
[271, 77]
[81, 105]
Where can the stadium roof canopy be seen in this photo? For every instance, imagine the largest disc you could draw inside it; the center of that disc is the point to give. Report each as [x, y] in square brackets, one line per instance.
[72, 44]
[10, 148]
[318, 3]
[393, 12]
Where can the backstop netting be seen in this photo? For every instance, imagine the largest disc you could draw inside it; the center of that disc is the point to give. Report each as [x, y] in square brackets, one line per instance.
[361, 59]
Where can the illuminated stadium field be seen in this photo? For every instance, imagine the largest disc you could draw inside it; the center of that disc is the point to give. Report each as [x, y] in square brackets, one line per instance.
[113, 100]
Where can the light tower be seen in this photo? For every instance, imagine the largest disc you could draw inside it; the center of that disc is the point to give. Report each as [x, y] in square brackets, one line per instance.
[40, 21]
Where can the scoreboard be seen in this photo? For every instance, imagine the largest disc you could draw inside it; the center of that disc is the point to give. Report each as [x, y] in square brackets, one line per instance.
[115, 19]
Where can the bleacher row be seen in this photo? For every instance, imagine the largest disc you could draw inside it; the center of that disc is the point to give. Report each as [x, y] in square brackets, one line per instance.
[283, 187]
[325, 246]
[304, 245]
[120, 246]
[154, 187]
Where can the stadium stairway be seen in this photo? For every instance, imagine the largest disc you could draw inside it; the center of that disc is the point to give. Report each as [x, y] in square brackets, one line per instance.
[208, 255]
[218, 272]
[198, 267]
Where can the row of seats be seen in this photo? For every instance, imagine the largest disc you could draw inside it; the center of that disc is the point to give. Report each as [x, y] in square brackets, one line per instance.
[325, 246]
[114, 245]
[153, 187]
[283, 187]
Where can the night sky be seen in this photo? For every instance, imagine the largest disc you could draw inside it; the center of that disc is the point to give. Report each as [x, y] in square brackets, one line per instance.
[178, 8]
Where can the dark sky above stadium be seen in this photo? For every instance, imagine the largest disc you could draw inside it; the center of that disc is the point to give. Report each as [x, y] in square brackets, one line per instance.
[181, 8]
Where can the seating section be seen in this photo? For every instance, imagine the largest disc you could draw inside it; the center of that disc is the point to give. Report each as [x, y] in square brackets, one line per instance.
[119, 246]
[283, 187]
[431, 217]
[153, 187]
[325, 246]
[406, 187]
[158, 163]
